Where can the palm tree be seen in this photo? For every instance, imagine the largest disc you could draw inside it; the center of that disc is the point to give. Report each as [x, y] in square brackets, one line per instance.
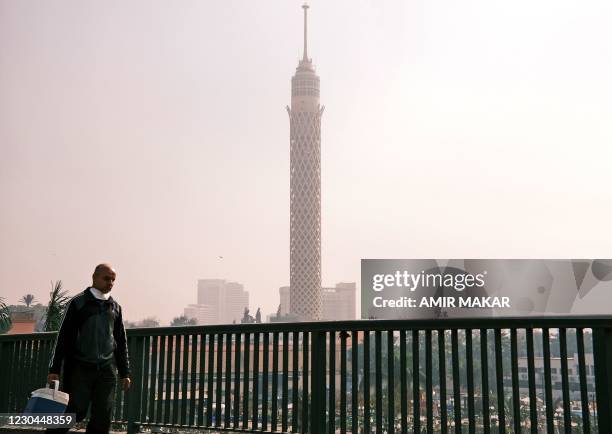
[5, 317]
[28, 299]
[58, 303]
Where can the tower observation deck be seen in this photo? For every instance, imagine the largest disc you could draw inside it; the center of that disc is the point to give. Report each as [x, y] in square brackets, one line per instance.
[305, 188]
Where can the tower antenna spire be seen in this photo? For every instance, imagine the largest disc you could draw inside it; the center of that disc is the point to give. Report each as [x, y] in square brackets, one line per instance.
[305, 7]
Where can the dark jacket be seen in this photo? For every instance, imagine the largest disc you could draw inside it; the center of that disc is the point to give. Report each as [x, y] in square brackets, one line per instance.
[91, 332]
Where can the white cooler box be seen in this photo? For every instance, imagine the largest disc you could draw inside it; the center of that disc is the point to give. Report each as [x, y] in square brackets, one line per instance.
[47, 400]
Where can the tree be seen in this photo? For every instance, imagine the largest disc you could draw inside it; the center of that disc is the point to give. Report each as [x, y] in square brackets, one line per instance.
[183, 321]
[258, 316]
[5, 317]
[28, 299]
[149, 322]
[58, 302]
[129, 324]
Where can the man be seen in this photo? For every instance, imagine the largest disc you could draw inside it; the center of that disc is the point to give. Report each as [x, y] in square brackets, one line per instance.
[91, 344]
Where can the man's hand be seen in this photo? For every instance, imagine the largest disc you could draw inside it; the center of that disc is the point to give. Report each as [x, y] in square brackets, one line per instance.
[51, 378]
[126, 383]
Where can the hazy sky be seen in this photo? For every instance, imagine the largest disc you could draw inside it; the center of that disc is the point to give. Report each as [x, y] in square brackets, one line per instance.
[153, 135]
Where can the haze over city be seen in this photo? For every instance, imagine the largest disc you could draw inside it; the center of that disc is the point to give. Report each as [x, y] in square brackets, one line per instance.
[154, 136]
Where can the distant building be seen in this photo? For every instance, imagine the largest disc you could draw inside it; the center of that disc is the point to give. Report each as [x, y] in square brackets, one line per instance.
[22, 322]
[219, 302]
[37, 312]
[202, 313]
[337, 303]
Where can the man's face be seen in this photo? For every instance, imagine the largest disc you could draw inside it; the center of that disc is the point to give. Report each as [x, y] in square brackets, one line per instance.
[104, 280]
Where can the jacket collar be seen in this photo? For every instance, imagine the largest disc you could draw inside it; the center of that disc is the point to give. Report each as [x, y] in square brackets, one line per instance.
[89, 296]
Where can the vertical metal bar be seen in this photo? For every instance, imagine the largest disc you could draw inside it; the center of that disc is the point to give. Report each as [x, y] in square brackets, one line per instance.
[18, 372]
[210, 393]
[274, 419]
[332, 382]
[169, 374]
[416, 386]
[11, 379]
[516, 399]
[428, 382]
[264, 396]
[177, 377]
[246, 383]
[42, 364]
[201, 376]
[305, 389]
[146, 377]
[255, 423]
[403, 383]
[35, 373]
[499, 373]
[134, 413]
[442, 371]
[5, 363]
[26, 378]
[23, 374]
[294, 386]
[14, 378]
[378, 377]
[533, 407]
[390, 383]
[184, 382]
[227, 411]
[584, 396]
[317, 396]
[547, 381]
[567, 416]
[343, 336]
[192, 385]
[354, 382]
[484, 387]
[602, 356]
[219, 381]
[154, 379]
[237, 345]
[160, 382]
[456, 384]
[469, 361]
[366, 381]
[285, 391]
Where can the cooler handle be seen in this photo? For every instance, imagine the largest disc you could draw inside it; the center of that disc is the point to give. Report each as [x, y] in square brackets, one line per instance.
[55, 387]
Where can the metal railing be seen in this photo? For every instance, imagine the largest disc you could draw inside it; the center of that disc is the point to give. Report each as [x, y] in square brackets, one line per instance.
[493, 375]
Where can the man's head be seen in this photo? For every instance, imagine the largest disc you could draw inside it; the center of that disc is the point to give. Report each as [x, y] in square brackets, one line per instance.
[104, 277]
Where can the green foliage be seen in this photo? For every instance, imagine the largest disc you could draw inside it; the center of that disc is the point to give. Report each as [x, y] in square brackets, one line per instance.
[5, 317]
[28, 299]
[149, 322]
[58, 302]
[183, 321]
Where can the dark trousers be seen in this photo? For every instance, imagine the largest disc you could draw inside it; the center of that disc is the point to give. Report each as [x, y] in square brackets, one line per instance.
[87, 385]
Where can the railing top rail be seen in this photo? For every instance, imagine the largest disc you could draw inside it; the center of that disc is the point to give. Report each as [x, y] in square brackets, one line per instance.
[593, 321]
[41, 336]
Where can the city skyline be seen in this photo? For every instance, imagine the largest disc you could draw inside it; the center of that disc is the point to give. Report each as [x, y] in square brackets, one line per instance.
[154, 137]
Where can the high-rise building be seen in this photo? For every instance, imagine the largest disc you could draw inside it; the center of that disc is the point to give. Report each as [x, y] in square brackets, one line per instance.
[338, 303]
[305, 188]
[219, 302]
